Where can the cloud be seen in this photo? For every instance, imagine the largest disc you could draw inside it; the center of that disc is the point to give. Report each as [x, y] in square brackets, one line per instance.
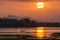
[20, 0]
[30, 0]
[25, 0]
[34, 0]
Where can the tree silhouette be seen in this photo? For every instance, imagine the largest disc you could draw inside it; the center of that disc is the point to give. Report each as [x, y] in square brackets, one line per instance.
[25, 22]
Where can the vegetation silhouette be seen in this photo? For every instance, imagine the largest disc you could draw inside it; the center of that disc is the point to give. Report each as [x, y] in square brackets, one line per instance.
[55, 35]
[25, 22]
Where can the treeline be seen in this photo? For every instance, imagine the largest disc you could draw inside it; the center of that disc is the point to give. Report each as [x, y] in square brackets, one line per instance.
[25, 22]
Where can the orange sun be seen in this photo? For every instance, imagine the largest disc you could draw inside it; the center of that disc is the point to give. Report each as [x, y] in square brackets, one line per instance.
[40, 5]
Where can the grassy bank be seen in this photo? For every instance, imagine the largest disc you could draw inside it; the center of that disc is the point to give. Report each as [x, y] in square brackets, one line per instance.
[25, 39]
[8, 39]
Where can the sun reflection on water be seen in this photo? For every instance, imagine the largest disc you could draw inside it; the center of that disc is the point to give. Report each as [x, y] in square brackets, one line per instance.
[40, 32]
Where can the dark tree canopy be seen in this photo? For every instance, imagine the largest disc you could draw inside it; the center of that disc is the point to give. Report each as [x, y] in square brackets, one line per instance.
[25, 22]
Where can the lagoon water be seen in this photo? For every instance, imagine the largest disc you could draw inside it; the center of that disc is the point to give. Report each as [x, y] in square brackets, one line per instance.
[29, 31]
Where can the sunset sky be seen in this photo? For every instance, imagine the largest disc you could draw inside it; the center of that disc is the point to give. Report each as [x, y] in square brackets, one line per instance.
[27, 8]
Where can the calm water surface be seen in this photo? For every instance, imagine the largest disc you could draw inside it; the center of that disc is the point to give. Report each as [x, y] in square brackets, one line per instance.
[30, 31]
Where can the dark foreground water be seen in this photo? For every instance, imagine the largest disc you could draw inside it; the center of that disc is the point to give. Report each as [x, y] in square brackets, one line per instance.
[37, 33]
